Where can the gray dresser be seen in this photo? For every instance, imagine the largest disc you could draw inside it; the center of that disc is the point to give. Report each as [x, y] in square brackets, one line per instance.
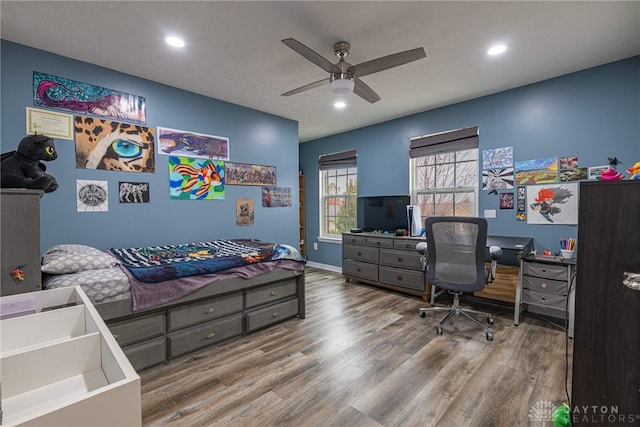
[384, 260]
[20, 240]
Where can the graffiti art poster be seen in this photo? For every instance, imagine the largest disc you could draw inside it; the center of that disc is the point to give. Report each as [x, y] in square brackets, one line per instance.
[173, 142]
[276, 197]
[497, 179]
[108, 145]
[244, 212]
[133, 192]
[494, 158]
[552, 204]
[248, 174]
[196, 179]
[83, 98]
[92, 196]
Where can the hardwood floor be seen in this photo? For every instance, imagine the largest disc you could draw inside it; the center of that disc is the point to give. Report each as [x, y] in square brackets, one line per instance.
[363, 357]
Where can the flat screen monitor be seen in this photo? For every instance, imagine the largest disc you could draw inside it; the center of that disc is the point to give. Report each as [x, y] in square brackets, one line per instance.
[383, 213]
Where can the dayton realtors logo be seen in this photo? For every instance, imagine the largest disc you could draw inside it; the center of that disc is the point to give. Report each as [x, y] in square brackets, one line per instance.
[602, 414]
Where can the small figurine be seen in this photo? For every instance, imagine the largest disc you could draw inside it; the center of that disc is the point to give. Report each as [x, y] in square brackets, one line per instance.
[561, 416]
[634, 171]
[611, 174]
[17, 273]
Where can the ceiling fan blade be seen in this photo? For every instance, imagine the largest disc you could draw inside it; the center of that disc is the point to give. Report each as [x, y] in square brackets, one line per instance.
[311, 55]
[386, 62]
[306, 87]
[364, 91]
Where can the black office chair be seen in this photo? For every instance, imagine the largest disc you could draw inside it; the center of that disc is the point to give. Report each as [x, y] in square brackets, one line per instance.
[455, 261]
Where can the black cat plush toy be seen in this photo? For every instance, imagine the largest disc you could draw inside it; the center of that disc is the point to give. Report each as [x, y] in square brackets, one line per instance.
[23, 169]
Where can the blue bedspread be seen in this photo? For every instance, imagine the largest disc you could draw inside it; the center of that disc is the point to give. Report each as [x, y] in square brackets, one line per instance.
[154, 264]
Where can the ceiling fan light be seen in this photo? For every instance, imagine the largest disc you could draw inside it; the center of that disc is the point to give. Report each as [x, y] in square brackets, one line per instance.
[342, 86]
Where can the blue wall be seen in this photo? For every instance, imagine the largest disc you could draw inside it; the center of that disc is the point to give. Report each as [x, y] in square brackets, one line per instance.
[593, 114]
[254, 137]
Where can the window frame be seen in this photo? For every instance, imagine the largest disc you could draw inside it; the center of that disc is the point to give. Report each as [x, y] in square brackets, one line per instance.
[350, 172]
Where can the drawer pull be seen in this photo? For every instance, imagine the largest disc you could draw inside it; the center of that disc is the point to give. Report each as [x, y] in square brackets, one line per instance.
[359, 253]
[377, 243]
[211, 335]
[543, 285]
[399, 278]
[276, 314]
[358, 269]
[209, 310]
[400, 259]
[116, 336]
[274, 293]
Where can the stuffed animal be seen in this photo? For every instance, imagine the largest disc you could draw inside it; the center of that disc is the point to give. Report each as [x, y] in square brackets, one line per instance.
[23, 169]
[634, 171]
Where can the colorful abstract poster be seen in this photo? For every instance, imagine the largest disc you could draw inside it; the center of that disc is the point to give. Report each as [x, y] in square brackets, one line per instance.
[196, 179]
[494, 158]
[497, 179]
[245, 212]
[248, 174]
[173, 142]
[552, 204]
[276, 197]
[92, 196]
[506, 201]
[83, 98]
[537, 171]
[133, 192]
[521, 204]
[108, 145]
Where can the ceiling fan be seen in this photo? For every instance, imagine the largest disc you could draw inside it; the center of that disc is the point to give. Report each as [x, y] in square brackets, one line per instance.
[344, 77]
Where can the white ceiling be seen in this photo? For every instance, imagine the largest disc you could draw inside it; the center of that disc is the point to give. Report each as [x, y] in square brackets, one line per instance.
[234, 50]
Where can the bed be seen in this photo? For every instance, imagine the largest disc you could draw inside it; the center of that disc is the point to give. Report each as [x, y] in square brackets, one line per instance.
[163, 302]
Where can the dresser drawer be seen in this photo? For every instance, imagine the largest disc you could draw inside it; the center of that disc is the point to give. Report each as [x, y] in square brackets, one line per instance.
[379, 242]
[191, 314]
[556, 301]
[354, 240]
[272, 314]
[204, 334]
[138, 329]
[405, 244]
[146, 354]
[409, 279]
[360, 253]
[545, 285]
[270, 293]
[360, 269]
[403, 259]
[548, 271]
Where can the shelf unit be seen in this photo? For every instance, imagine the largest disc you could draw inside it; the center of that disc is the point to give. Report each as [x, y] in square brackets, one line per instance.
[303, 245]
[61, 366]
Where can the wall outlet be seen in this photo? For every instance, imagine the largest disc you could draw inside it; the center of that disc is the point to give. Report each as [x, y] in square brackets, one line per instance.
[315, 246]
[489, 213]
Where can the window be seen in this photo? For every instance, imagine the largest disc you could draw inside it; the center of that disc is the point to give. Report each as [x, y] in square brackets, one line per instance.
[444, 170]
[339, 192]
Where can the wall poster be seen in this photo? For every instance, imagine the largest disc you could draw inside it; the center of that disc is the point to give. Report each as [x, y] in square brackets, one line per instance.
[247, 174]
[196, 179]
[174, 142]
[83, 98]
[133, 192]
[276, 197]
[108, 145]
[244, 212]
[92, 196]
[552, 204]
[537, 171]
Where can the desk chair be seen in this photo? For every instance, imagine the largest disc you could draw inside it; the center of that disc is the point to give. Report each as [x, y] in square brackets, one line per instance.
[455, 261]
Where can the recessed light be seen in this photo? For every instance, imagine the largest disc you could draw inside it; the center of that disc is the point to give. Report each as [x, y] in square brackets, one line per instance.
[497, 49]
[339, 105]
[174, 41]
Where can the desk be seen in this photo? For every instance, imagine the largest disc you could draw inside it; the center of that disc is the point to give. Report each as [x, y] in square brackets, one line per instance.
[547, 283]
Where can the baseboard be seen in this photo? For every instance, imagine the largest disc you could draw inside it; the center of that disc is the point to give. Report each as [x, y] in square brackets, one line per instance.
[328, 267]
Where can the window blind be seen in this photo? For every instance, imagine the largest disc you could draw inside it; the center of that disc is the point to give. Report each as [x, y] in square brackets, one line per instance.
[343, 159]
[455, 140]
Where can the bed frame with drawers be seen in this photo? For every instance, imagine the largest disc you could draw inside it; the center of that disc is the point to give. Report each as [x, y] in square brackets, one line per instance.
[223, 310]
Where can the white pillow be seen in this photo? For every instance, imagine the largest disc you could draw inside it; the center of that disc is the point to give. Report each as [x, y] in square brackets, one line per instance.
[73, 258]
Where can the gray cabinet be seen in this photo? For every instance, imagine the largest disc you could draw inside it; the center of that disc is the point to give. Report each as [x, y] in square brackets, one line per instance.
[20, 240]
[547, 284]
[384, 260]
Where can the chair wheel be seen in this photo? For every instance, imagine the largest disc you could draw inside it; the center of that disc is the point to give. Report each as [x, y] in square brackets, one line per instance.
[490, 320]
[439, 330]
[423, 314]
[489, 336]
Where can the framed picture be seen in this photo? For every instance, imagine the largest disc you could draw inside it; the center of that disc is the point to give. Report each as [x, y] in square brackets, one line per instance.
[248, 174]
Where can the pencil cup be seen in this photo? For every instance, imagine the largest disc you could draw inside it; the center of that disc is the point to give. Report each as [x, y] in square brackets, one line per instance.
[566, 253]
